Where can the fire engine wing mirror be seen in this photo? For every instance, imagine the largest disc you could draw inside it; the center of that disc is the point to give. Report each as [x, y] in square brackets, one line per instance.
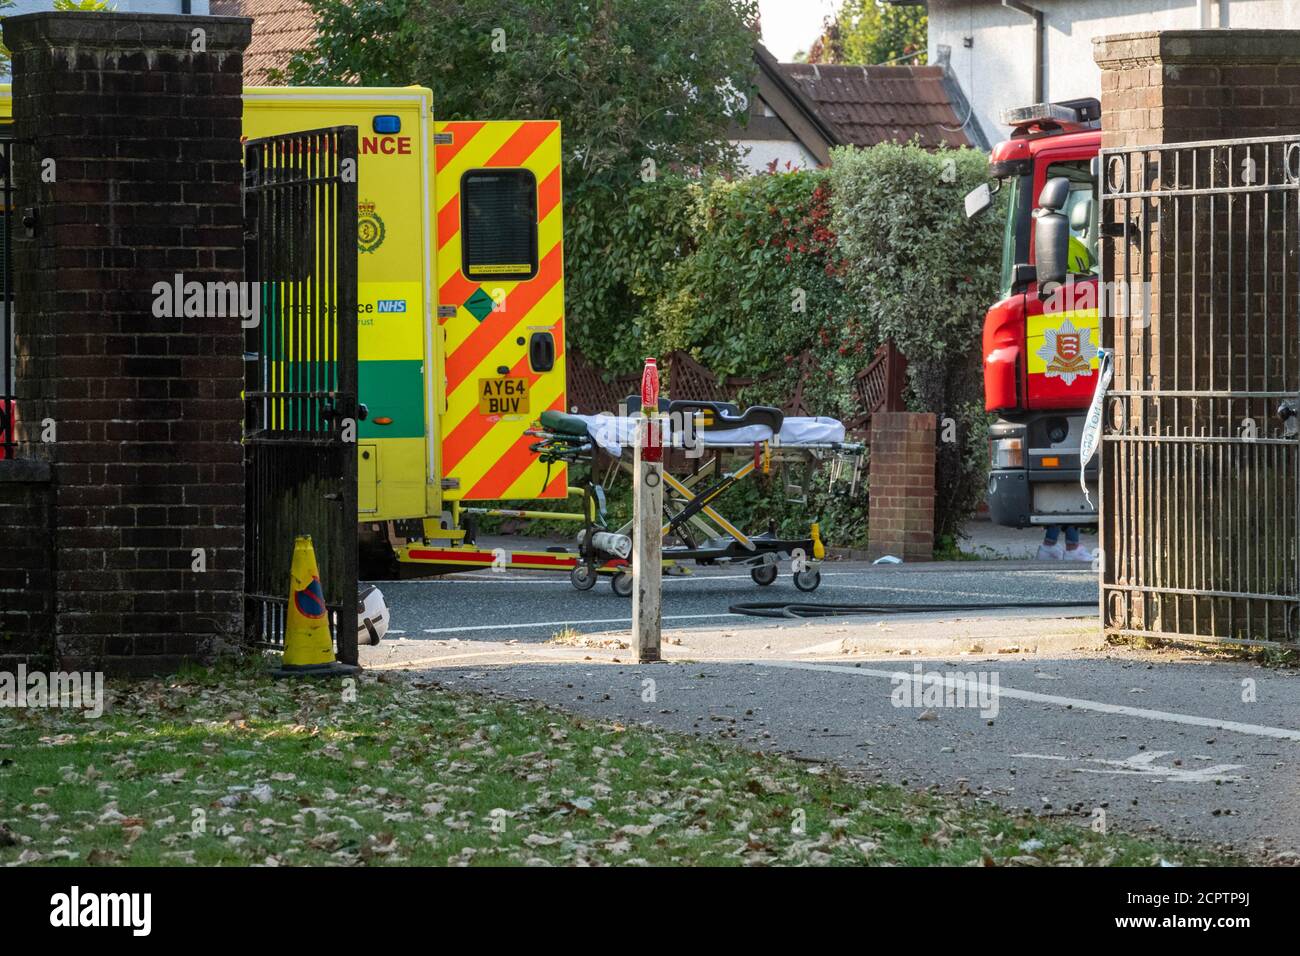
[1052, 235]
[978, 199]
[1051, 248]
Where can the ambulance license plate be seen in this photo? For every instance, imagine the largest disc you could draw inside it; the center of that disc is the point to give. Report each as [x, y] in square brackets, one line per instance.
[503, 396]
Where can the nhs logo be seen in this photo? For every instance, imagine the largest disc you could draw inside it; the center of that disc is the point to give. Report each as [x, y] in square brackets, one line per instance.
[390, 305]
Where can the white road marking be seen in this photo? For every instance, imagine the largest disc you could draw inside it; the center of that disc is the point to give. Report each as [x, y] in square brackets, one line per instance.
[1144, 764]
[1257, 730]
[602, 620]
[1042, 756]
[420, 662]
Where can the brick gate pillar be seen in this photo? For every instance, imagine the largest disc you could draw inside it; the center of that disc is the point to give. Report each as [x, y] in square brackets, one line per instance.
[900, 519]
[1204, 298]
[128, 169]
[1178, 86]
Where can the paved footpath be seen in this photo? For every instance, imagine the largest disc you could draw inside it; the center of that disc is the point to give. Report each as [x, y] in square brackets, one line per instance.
[1034, 710]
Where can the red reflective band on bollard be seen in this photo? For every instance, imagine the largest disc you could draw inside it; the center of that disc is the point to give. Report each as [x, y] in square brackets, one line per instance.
[651, 446]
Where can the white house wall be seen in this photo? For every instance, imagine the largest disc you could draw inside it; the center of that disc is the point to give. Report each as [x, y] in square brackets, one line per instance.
[997, 71]
[757, 155]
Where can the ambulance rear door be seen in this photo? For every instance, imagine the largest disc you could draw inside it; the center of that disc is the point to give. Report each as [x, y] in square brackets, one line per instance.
[500, 294]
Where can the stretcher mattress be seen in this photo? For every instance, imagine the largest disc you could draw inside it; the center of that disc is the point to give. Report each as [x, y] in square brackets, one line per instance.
[612, 433]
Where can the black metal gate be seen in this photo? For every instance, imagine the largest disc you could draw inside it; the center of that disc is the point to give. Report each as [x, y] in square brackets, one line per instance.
[1201, 476]
[300, 224]
[8, 437]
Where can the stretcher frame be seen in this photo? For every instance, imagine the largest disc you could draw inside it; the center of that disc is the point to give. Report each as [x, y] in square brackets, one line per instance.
[686, 508]
[707, 536]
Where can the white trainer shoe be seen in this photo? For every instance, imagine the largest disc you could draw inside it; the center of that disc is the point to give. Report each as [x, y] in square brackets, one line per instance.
[1078, 554]
[1051, 552]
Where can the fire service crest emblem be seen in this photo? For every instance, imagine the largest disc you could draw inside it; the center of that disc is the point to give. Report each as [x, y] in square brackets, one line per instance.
[1068, 352]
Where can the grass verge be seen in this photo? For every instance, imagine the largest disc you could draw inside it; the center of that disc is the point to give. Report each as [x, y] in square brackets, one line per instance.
[229, 767]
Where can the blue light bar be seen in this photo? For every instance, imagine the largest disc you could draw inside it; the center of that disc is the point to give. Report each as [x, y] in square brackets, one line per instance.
[387, 124]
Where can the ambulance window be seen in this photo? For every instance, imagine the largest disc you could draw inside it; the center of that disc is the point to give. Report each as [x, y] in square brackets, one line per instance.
[498, 224]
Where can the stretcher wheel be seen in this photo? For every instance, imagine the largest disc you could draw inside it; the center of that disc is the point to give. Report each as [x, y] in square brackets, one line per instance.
[622, 584]
[808, 580]
[582, 577]
[764, 574]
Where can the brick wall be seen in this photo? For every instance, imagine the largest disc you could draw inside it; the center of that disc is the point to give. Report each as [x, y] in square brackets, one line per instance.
[1185, 85]
[26, 573]
[146, 461]
[901, 517]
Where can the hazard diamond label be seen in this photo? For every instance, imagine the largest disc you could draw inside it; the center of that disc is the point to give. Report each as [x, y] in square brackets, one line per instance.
[480, 304]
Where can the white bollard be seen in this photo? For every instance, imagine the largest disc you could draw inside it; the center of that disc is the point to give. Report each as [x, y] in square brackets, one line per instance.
[647, 517]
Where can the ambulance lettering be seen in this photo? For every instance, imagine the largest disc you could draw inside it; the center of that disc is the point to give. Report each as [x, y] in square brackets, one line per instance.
[1068, 352]
[386, 145]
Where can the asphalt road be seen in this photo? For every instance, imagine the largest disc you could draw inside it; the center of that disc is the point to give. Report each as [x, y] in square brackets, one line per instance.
[533, 606]
[1168, 747]
[1042, 714]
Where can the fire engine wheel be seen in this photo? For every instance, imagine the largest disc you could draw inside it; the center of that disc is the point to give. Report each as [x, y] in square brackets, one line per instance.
[808, 580]
[764, 574]
[582, 577]
[622, 584]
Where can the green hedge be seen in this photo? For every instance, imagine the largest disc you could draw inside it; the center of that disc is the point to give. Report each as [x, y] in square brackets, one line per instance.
[926, 275]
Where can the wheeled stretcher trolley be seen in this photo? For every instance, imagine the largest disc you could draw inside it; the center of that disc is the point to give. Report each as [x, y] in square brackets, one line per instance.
[726, 446]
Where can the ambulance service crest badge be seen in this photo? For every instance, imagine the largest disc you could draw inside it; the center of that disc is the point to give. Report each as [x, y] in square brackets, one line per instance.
[370, 228]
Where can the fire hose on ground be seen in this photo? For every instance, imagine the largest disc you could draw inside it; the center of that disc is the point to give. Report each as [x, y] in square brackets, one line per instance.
[798, 610]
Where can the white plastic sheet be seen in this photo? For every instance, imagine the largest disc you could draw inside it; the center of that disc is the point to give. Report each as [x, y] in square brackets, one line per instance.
[612, 433]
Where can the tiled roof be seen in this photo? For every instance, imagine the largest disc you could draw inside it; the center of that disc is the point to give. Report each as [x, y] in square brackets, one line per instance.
[280, 28]
[877, 104]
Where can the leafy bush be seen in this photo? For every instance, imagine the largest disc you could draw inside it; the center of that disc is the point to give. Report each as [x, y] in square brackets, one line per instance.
[925, 276]
[744, 275]
[759, 280]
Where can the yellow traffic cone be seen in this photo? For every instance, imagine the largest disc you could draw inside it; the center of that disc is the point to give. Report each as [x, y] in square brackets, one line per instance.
[308, 649]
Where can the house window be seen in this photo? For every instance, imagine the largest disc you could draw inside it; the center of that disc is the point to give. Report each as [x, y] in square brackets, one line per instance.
[498, 224]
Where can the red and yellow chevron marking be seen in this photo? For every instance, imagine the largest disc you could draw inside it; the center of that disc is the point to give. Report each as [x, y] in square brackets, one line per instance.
[451, 560]
[488, 455]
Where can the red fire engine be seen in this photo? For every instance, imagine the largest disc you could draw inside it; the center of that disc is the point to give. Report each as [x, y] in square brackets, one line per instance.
[1041, 339]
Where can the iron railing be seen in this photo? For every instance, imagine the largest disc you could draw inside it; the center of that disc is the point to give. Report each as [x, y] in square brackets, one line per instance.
[1200, 463]
[300, 214]
[8, 359]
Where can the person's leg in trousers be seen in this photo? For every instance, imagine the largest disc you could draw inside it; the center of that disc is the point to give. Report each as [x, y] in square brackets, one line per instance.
[1051, 549]
[1073, 550]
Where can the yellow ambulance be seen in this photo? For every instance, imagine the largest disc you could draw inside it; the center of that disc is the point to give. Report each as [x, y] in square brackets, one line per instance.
[460, 306]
